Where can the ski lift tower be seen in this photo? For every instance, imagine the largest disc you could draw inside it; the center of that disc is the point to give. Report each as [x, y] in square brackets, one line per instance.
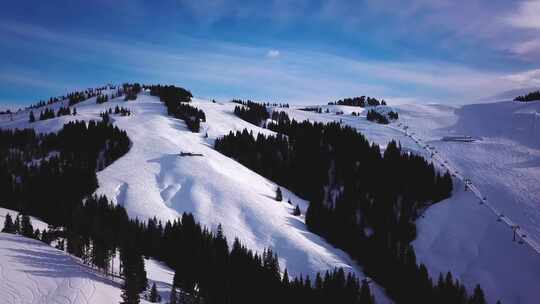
[515, 228]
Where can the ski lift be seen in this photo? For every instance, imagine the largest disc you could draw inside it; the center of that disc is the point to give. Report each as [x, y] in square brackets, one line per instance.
[499, 218]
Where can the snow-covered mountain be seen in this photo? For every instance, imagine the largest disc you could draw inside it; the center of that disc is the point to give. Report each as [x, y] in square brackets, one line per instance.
[152, 180]
[457, 235]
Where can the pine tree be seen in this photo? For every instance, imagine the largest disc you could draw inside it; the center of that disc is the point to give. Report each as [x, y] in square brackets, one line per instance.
[45, 237]
[129, 292]
[285, 280]
[17, 225]
[135, 280]
[60, 245]
[32, 118]
[174, 296]
[365, 294]
[279, 195]
[26, 226]
[297, 211]
[154, 296]
[478, 296]
[9, 227]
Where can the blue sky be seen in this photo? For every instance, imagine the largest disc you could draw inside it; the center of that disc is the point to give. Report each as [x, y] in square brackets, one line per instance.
[450, 51]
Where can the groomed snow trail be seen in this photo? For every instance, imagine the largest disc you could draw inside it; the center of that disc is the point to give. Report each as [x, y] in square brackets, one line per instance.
[439, 159]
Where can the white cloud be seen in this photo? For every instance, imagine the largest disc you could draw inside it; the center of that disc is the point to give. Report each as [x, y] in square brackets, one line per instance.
[526, 16]
[273, 54]
[525, 79]
[311, 77]
[529, 47]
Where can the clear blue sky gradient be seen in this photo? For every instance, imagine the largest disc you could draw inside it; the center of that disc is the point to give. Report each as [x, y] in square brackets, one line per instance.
[294, 51]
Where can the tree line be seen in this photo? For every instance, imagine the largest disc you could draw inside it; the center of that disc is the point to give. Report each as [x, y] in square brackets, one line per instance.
[252, 112]
[34, 167]
[361, 200]
[88, 92]
[58, 188]
[176, 100]
[359, 101]
[102, 98]
[49, 113]
[117, 111]
[131, 90]
[532, 96]
[375, 116]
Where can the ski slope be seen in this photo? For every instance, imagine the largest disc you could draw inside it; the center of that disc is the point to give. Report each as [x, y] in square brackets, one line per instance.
[460, 234]
[152, 180]
[34, 272]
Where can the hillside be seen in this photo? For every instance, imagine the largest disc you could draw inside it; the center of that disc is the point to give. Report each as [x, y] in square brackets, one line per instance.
[152, 180]
[459, 234]
[34, 272]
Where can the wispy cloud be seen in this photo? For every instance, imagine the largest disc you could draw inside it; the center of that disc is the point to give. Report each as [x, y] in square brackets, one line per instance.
[529, 47]
[220, 68]
[29, 79]
[526, 79]
[527, 15]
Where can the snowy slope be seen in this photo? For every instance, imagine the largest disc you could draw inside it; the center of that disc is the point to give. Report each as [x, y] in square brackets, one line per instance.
[459, 234]
[151, 180]
[36, 223]
[34, 272]
[504, 167]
